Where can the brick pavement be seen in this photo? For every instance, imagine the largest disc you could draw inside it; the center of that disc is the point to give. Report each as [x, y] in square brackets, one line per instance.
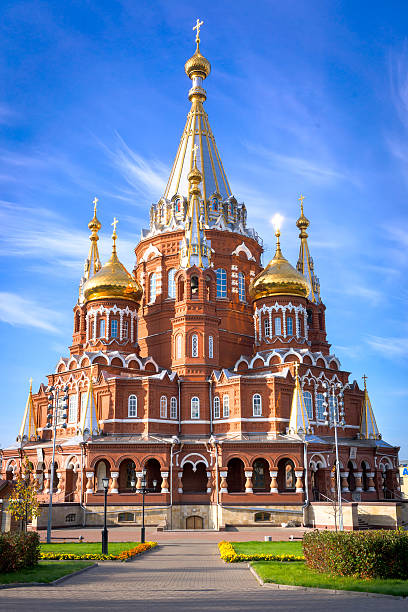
[181, 577]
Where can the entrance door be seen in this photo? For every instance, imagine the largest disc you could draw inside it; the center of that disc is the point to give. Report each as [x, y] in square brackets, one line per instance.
[194, 522]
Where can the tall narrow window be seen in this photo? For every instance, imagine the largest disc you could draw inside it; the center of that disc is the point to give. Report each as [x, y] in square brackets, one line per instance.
[241, 287]
[132, 406]
[102, 328]
[267, 328]
[178, 346]
[333, 407]
[114, 328]
[308, 404]
[173, 408]
[221, 283]
[125, 330]
[216, 407]
[194, 287]
[319, 406]
[195, 408]
[73, 408]
[225, 406]
[152, 288]
[84, 397]
[256, 405]
[278, 326]
[194, 345]
[163, 407]
[210, 347]
[171, 284]
[289, 326]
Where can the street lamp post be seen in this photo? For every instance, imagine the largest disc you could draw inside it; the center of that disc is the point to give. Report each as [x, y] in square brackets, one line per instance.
[335, 418]
[105, 484]
[143, 490]
[52, 418]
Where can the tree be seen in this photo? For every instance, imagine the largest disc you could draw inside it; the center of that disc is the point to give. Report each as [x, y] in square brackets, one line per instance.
[23, 503]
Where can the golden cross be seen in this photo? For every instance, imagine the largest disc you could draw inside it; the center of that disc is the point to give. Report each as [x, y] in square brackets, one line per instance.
[195, 149]
[31, 383]
[115, 222]
[94, 202]
[302, 197]
[365, 380]
[197, 27]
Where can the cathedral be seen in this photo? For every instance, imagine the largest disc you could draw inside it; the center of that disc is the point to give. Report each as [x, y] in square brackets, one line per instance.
[204, 373]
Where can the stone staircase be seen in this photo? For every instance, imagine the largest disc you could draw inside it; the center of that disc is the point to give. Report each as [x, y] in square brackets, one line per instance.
[363, 522]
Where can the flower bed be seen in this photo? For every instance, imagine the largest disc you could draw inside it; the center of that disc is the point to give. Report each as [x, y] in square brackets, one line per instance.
[229, 555]
[123, 556]
[367, 555]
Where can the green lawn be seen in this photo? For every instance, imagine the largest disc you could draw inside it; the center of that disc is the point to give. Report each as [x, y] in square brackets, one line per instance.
[268, 548]
[46, 571]
[84, 548]
[297, 573]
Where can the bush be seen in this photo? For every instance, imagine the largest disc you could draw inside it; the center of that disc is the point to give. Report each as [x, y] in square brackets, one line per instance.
[18, 551]
[368, 554]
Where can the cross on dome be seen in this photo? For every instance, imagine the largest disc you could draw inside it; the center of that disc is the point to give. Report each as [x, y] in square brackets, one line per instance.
[197, 27]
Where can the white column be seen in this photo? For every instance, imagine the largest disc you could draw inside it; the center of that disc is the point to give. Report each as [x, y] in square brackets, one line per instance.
[208, 480]
[270, 323]
[358, 476]
[284, 321]
[114, 482]
[344, 482]
[131, 327]
[89, 484]
[107, 324]
[273, 474]
[121, 326]
[165, 476]
[223, 476]
[305, 323]
[87, 326]
[94, 326]
[299, 483]
[180, 475]
[248, 481]
[297, 323]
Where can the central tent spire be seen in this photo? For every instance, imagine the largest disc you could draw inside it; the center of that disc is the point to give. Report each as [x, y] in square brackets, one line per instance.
[197, 131]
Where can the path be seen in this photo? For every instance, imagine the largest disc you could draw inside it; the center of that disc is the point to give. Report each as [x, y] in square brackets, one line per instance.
[178, 577]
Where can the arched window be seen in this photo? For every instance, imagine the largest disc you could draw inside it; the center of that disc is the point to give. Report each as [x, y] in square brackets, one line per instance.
[319, 406]
[225, 406]
[194, 287]
[195, 408]
[77, 321]
[152, 288]
[114, 328]
[364, 467]
[278, 326]
[289, 326]
[261, 480]
[308, 403]
[210, 347]
[132, 406]
[173, 408]
[267, 328]
[163, 407]
[171, 284]
[216, 407]
[102, 328]
[178, 346]
[73, 408]
[241, 287]
[125, 330]
[221, 283]
[178, 207]
[256, 405]
[194, 345]
[286, 475]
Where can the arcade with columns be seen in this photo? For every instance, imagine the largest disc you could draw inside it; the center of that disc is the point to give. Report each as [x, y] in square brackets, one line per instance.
[205, 370]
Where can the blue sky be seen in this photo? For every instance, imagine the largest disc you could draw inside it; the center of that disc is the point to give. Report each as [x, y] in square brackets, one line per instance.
[305, 97]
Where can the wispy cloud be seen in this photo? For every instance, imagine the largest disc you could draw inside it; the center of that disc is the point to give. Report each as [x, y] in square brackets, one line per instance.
[388, 346]
[24, 312]
[145, 177]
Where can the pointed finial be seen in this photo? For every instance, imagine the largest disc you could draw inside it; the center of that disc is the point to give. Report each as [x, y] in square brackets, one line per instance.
[197, 27]
[302, 197]
[31, 385]
[365, 382]
[195, 149]
[114, 234]
[278, 252]
[95, 202]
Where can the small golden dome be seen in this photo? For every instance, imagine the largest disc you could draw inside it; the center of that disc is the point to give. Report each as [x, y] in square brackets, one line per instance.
[197, 64]
[279, 278]
[112, 281]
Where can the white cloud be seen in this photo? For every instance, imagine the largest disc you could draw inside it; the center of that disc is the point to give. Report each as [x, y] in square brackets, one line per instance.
[24, 312]
[388, 346]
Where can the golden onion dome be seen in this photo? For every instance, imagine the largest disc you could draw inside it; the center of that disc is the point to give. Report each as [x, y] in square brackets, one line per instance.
[197, 64]
[279, 278]
[112, 281]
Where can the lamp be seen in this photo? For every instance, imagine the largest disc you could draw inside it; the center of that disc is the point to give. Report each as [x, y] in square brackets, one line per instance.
[105, 483]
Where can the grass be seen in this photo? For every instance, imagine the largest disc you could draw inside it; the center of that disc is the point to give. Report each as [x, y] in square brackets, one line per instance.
[46, 571]
[84, 548]
[298, 574]
[268, 548]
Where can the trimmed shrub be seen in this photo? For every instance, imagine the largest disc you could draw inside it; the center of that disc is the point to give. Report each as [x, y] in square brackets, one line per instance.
[18, 551]
[367, 554]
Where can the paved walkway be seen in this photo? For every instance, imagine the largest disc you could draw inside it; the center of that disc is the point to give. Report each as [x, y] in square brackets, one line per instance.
[181, 577]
